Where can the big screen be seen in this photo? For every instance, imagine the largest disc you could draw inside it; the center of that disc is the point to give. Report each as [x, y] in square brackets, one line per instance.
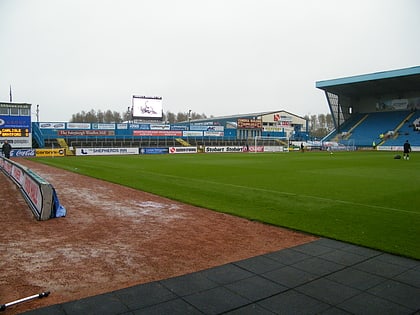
[147, 107]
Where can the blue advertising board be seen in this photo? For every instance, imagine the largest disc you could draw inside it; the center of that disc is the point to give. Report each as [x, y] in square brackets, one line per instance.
[15, 122]
[154, 150]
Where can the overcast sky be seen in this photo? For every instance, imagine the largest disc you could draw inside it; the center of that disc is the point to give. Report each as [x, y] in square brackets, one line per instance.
[218, 57]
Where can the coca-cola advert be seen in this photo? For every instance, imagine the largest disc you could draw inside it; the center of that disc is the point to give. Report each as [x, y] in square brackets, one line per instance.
[23, 153]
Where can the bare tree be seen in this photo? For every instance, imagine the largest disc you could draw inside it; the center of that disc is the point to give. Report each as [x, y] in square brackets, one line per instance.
[313, 121]
[170, 117]
[330, 123]
[320, 125]
[181, 117]
[100, 116]
[322, 121]
[97, 117]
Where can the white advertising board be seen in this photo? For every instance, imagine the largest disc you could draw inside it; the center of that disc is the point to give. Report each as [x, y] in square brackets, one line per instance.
[106, 151]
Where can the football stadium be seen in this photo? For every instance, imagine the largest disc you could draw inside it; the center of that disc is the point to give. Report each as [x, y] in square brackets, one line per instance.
[379, 110]
[240, 214]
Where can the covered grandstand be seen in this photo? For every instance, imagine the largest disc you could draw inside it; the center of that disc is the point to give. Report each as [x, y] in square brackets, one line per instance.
[380, 110]
[235, 130]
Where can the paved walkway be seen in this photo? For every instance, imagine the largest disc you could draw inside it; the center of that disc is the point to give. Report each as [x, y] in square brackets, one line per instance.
[321, 277]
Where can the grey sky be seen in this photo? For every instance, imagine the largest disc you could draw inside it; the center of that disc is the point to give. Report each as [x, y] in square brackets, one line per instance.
[218, 57]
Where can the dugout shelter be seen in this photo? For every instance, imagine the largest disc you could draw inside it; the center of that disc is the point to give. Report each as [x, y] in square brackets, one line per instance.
[380, 109]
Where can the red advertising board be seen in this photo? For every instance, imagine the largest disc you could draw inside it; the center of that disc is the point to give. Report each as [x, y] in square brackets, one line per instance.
[158, 133]
[86, 132]
[244, 123]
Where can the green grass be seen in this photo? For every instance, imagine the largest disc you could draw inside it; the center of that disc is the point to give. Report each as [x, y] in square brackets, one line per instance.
[366, 198]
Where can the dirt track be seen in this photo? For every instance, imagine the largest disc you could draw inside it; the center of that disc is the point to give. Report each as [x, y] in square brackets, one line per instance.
[114, 237]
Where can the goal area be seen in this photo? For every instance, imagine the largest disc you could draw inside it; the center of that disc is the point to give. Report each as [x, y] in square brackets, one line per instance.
[269, 144]
[348, 145]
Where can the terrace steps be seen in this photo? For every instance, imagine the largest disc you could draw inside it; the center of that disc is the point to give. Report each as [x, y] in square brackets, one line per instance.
[355, 126]
[182, 142]
[63, 144]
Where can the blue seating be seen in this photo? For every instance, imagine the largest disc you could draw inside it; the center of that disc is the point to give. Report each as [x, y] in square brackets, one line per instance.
[406, 132]
[365, 132]
[375, 124]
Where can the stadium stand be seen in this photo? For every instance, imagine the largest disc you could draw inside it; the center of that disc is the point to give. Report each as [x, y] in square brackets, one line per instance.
[375, 125]
[378, 108]
[408, 131]
[235, 130]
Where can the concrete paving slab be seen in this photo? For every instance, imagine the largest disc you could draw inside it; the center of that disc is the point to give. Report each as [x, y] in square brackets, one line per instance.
[321, 277]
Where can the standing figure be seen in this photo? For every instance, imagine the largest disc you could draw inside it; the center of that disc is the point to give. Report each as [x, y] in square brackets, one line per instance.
[6, 148]
[407, 150]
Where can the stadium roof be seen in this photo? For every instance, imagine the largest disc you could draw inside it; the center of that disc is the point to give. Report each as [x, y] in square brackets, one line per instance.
[254, 115]
[378, 83]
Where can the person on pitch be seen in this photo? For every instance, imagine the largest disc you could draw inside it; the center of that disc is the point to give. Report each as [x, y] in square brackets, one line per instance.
[6, 148]
[407, 150]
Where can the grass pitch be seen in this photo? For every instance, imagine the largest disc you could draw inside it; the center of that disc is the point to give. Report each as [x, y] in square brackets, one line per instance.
[366, 198]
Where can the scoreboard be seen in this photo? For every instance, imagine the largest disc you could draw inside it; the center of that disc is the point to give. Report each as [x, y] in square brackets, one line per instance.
[16, 125]
[14, 132]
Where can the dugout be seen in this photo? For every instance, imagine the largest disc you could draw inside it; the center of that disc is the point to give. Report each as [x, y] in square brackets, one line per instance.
[382, 107]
